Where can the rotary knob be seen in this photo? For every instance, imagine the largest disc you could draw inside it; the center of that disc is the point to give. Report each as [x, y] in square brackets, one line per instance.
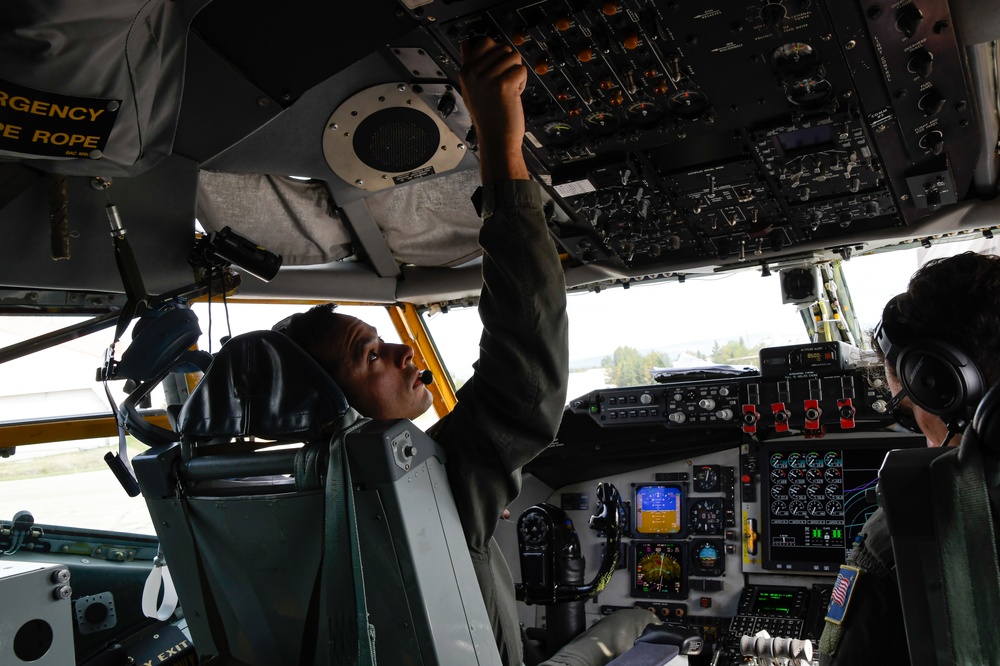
[645, 398]
[931, 102]
[677, 417]
[908, 19]
[933, 141]
[707, 404]
[921, 63]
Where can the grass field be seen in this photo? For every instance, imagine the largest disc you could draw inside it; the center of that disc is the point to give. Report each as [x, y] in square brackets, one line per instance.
[72, 462]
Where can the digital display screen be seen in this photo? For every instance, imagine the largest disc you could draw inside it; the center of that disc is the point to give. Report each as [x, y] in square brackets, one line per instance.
[816, 498]
[658, 509]
[659, 570]
[805, 138]
[776, 602]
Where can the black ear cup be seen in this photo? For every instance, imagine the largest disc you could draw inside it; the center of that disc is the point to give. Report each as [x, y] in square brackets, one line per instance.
[941, 379]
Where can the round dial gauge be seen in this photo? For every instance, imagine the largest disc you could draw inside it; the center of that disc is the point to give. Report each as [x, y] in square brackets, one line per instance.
[835, 508]
[794, 59]
[834, 491]
[706, 516]
[779, 492]
[659, 570]
[815, 508]
[560, 134]
[706, 479]
[602, 123]
[689, 104]
[814, 491]
[814, 475]
[832, 475]
[797, 508]
[796, 476]
[779, 508]
[779, 476]
[778, 461]
[832, 459]
[813, 460]
[644, 113]
[797, 491]
[796, 460]
[708, 558]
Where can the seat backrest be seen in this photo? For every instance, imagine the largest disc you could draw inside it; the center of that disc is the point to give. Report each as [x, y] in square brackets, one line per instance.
[938, 507]
[244, 529]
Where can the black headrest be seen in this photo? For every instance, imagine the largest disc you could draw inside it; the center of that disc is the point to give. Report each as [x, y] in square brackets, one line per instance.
[986, 422]
[262, 384]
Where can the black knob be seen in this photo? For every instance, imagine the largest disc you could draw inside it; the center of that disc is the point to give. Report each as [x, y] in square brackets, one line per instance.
[921, 63]
[446, 106]
[773, 14]
[908, 19]
[933, 141]
[931, 102]
[933, 199]
[96, 613]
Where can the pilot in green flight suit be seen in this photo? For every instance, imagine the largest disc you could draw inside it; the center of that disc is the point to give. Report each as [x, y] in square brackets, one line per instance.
[510, 410]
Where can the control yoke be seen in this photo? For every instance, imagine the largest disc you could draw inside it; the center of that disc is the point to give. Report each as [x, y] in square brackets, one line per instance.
[547, 540]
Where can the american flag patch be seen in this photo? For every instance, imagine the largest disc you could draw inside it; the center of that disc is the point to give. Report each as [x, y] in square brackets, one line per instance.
[841, 594]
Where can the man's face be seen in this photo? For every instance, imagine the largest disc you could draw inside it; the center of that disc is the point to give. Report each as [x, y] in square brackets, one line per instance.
[378, 378]
[931, 426]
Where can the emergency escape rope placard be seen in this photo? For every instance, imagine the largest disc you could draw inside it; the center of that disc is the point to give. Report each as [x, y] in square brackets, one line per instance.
[45, 124]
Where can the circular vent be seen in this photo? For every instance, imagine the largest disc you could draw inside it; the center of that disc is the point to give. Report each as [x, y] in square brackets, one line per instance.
[397, 139]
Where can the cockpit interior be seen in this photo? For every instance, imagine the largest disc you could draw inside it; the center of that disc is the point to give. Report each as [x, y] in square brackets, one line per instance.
[155, 155]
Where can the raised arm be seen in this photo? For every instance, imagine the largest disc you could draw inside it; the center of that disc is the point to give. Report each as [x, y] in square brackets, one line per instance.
[510, 409]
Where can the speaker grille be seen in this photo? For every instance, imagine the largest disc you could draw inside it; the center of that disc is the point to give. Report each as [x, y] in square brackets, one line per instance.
[396, 140]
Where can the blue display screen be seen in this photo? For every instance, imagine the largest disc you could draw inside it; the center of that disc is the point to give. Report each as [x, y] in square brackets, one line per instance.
[658, 509]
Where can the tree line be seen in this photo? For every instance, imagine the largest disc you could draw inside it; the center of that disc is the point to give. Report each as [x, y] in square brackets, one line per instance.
[628, 367]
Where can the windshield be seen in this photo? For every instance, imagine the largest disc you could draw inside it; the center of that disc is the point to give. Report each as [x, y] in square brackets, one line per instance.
[617, 336]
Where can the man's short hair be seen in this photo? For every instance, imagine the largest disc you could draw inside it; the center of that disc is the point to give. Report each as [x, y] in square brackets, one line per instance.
[955, 300]
[311, 331]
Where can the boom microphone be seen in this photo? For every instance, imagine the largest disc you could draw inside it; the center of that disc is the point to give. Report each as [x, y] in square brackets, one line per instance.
[426, 376]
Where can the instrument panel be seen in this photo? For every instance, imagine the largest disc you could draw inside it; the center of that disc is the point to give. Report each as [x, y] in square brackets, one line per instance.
[731, 528]
[675, 134]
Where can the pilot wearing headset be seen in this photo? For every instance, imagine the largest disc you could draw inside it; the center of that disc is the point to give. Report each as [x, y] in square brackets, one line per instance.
[510, 410]
[940, 343]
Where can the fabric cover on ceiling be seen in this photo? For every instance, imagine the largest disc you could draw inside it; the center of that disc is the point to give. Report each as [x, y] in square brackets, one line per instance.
[289, 217]
[430, 223]
[127, 50]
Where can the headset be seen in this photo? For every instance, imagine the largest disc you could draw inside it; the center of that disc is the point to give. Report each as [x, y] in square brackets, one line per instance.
[936, 375]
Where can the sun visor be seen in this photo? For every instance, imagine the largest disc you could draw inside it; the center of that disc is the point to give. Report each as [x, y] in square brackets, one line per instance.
[289, 217]
[91, 89]
[430, 223]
